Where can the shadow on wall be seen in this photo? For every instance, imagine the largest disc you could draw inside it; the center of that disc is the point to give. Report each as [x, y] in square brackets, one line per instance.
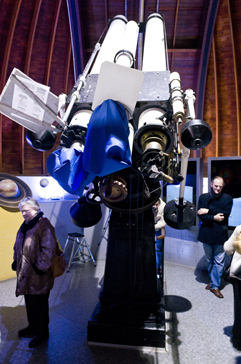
[58, 212]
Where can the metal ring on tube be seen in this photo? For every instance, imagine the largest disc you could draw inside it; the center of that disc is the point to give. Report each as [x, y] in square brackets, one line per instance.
[125, 53]
[127, 56]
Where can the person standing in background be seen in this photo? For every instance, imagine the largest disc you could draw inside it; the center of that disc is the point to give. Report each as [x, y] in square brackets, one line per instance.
[214, 209]
[158, 210]
[34, 251]
[233, 247]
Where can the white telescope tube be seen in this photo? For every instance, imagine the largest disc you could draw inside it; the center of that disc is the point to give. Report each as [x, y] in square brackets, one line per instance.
[150, 116]
[154, 54]
[131, 137]
[112, 43]
[177, 97]
[126, 55]
[189, 101]
[190, 114]
[81, 118]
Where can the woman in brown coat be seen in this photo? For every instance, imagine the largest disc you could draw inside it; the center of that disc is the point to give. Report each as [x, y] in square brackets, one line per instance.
[34, 250]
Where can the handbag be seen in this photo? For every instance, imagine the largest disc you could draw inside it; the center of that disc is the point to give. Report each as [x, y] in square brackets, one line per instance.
[58, 265]
[226, 274]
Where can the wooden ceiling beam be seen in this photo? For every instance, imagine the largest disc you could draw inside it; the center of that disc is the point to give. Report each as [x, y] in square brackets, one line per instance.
[68, 58]
[7, 50]
[32, 35]
[216, 97]
[235, 78]
[12, 25]
[32, 32]
[170, 50]
[204, 56]
[51, 41]
[184, 7]
[49, 61]
[182, 50]
[106, 12]
[174, 33]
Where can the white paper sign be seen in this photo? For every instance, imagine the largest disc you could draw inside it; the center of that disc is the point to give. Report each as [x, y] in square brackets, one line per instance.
[24, 103]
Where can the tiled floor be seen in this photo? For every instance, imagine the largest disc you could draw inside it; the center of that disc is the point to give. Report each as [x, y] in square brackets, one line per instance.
[198, 323]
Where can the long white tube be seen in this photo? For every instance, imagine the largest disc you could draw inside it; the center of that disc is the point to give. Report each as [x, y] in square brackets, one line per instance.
[112, 43]
[184, 165]
[177, 97]
[131, 136]
[190, 114]
[154, 56]
[129, 44]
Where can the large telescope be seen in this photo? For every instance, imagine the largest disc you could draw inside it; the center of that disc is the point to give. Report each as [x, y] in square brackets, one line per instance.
[119, 142]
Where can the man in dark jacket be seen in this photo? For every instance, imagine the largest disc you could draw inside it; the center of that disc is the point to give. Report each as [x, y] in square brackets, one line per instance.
[214, 209]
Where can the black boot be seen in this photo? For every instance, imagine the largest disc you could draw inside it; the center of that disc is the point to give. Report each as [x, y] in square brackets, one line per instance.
[27, 332]
[38, 340]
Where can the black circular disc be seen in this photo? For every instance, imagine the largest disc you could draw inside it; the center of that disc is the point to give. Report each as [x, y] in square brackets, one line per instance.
[196, 134]
[179, 216]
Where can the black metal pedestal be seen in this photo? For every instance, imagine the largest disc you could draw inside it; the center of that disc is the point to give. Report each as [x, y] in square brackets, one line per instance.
[135, 327]
[130, 311]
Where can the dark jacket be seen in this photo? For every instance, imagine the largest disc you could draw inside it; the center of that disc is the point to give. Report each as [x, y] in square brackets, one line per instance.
[34, 251]
[213, 232]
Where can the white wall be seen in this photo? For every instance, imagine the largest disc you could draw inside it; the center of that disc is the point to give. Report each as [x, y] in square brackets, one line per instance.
[58, 214]
[56, 204]
[181, 246]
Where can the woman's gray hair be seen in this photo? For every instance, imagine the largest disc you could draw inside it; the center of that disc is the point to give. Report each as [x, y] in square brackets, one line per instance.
[31, 202]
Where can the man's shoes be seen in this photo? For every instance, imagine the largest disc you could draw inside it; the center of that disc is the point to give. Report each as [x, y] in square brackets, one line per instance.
[208, 286]
[38, 340]
[216, 292]
[27, 332]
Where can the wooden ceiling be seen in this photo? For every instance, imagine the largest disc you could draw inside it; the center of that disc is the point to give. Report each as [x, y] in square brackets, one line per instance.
[204, 46]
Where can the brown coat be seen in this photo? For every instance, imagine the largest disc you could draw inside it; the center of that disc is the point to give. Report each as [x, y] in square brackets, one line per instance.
[39, 248]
